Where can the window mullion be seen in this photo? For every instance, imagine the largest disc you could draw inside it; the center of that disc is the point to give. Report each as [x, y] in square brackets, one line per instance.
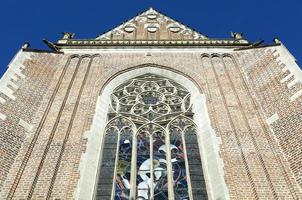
[116, 165]
[169, 168]
[133, 168]
[151, 169]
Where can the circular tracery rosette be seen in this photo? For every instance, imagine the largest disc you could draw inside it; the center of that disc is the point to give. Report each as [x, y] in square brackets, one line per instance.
[152, 97]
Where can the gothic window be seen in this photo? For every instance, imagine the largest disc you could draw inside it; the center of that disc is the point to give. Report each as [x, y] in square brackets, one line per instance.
[150, 145]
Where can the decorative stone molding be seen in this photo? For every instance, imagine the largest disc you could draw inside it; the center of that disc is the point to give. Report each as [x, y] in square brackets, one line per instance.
[148, 18]
[289, 61]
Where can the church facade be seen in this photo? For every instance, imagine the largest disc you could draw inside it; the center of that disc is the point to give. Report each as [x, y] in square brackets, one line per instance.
[151, 109]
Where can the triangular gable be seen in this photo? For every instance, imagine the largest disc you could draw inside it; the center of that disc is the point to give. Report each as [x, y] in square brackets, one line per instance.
[151, 25]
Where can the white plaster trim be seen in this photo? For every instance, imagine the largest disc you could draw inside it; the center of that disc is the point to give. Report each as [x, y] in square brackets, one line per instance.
[14, 67]
[293, 82]
[13, 76]
[13, 85]
[209, 147]
[209, 143]
[2, 116]
[28, 127]
[290, 63]
[2, 101]
[151, 25]
[7, 91]
[296, 95]
[286, 78]
[153, 50]
[272, 119]
[18, 72]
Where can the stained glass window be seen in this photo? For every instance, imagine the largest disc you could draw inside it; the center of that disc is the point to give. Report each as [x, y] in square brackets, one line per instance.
[123, 171]
[150, 146]
[178, 165]
[143, 166]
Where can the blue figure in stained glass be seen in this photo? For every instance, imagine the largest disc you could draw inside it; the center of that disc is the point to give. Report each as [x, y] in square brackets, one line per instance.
[122, 182]
[143, 163]
[160, 166]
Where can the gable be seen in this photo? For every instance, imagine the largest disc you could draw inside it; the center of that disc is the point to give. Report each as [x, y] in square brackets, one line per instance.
[151, 25]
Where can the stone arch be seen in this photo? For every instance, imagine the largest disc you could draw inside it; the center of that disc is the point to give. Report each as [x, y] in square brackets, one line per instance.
[208, 142]
[149, 66]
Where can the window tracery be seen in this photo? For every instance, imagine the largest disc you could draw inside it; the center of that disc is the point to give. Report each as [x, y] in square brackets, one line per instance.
[150, 128]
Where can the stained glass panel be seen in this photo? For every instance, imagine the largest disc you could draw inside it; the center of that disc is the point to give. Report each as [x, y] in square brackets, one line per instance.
[123, 174]
[145, 108]
[160, 181]
[196, 174]
[180, 183]
[106, 174]
[143, 163]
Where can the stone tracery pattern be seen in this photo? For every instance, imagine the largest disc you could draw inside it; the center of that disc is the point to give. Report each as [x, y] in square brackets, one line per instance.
[150, 117]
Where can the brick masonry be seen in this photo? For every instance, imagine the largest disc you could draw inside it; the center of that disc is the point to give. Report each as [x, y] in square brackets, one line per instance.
[57, 100]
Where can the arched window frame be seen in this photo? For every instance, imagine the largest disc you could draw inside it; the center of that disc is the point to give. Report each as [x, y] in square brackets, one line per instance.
[209, 142]
[150, 103]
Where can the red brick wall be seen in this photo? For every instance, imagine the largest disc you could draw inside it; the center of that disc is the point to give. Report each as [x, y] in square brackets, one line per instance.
[239, 101]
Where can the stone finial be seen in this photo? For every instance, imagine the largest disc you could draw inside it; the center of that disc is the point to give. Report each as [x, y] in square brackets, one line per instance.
[26, 45]
[277, 41]
[237, 36]
[67, 35]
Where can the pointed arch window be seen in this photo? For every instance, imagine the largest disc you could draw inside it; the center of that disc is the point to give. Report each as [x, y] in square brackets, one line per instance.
[150, 146]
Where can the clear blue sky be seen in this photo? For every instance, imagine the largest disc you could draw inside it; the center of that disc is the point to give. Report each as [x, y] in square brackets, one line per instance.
[33, 20]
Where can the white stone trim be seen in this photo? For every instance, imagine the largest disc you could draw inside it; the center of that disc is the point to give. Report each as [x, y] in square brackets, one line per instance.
[286, 58]
[296, 95]
[18, 71]
[209, 147]
[272, 119]
[7, 91]
[293, 82]
[13, 85]
[2, 101]
[13, 76]
[15, 67]
[286, 78]
[209, 143]
[28, 127]
[2, 116]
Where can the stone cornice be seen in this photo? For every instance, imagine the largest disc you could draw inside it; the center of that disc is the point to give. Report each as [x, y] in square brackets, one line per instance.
[209, 43]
